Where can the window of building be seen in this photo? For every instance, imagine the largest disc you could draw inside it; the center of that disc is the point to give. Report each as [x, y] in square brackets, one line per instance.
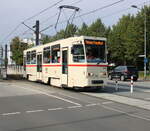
[46, 55]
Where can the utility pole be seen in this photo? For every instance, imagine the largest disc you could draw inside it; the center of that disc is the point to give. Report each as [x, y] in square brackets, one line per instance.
[6, 59]
[1, 52]
[36, 31]
[145, 40]
[37, 27]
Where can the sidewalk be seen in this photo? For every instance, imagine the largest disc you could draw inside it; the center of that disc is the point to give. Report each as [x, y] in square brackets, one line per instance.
[139, 98]
[123, 100]
[139, 83]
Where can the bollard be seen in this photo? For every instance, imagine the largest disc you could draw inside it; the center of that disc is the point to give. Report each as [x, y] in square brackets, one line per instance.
[116, 85]
[131, 90]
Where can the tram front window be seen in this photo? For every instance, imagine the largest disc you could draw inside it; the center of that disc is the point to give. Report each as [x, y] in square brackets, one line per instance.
[78, 53]
[95, 51]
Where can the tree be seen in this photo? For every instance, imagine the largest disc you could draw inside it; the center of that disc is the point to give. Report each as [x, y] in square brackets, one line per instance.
[45, 39]
[83, 30]
[97, 29]
[71, 30]
[17, 48]
[118, 40]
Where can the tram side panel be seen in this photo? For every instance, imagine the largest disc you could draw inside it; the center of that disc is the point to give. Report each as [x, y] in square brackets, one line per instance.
[31, 72]
[51, 74]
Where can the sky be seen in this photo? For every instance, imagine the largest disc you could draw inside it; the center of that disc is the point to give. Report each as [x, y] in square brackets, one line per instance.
[14, 12]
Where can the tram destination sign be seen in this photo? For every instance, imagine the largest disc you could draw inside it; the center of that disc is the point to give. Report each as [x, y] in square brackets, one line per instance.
[94, 42]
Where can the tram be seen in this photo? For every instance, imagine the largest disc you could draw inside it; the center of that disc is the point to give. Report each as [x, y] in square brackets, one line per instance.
[75, 62]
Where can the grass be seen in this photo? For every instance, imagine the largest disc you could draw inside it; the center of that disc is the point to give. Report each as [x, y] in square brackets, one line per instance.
[141, 75]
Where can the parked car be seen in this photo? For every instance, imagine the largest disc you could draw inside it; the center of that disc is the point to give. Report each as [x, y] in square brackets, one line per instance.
[123, 73]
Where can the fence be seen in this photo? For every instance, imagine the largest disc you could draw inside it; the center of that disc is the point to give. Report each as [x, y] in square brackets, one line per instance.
[2, 72]
[15, 70]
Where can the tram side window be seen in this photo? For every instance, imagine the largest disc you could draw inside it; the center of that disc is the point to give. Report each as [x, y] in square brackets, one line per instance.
[46, 55]
[56, 54]
[33, 57]
[78, 53]
[28, 57]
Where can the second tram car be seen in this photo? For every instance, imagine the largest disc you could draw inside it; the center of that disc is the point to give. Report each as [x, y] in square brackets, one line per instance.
[75, 62]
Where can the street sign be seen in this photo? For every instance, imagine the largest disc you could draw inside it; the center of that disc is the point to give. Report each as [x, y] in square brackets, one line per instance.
[141, 55]
[145, 60]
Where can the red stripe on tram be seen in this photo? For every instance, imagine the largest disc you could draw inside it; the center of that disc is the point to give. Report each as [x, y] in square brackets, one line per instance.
[51, 65]
[88, 65]
[31, 65]
[72, 65]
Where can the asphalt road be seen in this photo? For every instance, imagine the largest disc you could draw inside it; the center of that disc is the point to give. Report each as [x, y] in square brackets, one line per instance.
[29, 106]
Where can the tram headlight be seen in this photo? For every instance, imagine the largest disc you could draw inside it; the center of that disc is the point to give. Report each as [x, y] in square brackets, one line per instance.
[103, 74]
[90, 74]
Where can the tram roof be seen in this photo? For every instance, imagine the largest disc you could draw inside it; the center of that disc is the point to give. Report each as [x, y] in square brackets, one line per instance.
[75, 38]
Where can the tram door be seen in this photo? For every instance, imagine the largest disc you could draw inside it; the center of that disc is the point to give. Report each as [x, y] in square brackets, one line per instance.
[39, 66]
[64, 78]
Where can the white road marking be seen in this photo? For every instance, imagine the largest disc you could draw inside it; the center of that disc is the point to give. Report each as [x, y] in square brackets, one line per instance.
[107, 102]
[55, 109]
[123, 100]
[34, 111]
[41, 92]
[69, 96]
[128, 114]
[147, 98]
[94, 104]
[72, 107]
[12, 113]
[50, 109]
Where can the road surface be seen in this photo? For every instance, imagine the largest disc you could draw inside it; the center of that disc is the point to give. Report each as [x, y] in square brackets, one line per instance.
[29, 106]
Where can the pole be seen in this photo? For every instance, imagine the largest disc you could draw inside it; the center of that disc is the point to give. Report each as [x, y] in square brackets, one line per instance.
[117, 88]
[145, 38]
[6, 63]
[131, 90]
[37, 32]
[6, 60]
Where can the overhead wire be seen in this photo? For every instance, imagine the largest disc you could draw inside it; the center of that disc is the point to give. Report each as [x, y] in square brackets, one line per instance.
[43, 11]
[37, 15]
[119, 11]
[87, 13]
[5, 38]
[93, 11]
[80, 16]
[79, 1]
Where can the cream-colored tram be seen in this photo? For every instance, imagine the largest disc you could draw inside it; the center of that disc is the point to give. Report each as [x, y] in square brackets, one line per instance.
[75, 62]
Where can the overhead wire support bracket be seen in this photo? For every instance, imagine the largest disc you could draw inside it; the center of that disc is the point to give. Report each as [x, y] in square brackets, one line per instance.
[69, 7]
[28, 26]
[76, 9]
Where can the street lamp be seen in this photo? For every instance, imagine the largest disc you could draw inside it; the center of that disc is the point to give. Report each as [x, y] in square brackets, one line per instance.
[145, 58]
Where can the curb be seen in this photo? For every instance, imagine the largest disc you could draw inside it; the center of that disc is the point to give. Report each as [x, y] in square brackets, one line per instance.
[122, 100]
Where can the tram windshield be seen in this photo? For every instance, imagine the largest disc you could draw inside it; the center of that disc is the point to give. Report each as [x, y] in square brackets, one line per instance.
[95, 51]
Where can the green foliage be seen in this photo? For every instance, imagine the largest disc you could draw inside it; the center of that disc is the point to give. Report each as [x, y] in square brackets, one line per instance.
[97, 29]
[70, 30]
[126, 39]
[45, 39]
[17, 48]
[83, 30]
